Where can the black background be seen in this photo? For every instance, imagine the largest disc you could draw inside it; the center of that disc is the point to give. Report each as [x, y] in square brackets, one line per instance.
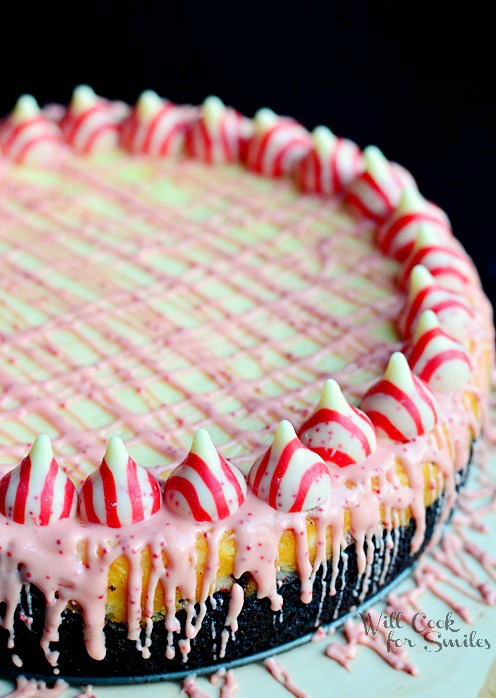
[415, 79]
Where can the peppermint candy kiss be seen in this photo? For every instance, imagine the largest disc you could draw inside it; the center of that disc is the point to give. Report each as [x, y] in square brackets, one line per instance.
[397, 236]
[330, 165]
[453, 311]
[28, 136]
[156, 126]
[450, 267]
[400, 405]
[120, 492]
[338, 432]
[91, 123]
[277, 144]
[38, 492]
[219, 135]
[290, 477]
[376, 192]
[205, 486]
[436, 358]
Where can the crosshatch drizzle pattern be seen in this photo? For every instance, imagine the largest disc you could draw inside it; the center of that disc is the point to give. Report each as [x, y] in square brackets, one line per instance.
[150, 298]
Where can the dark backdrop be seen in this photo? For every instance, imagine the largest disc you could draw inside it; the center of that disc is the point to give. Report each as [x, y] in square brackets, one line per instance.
[411, 78]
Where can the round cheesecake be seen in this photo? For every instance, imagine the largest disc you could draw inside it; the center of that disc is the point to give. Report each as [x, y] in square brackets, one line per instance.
[243, 366]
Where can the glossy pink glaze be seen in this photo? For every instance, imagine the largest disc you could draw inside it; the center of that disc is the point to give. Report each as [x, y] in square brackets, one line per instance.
[229, 686]
[355, 635]
[29, 688]
[191, 690]
[282, 676]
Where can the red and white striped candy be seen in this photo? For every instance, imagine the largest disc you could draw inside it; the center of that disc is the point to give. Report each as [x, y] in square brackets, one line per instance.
[120, 492]
[376, 192]
[205, 486]
[453, 311]
[277, 144]
[400, 405]
[38, 492]
[28, 136]
[220, 134]
[330, 165]
[338, 432]
[289, 476]
[397, 236]
[91, 123]
[448, 265]
[436, 358]
[156, 126]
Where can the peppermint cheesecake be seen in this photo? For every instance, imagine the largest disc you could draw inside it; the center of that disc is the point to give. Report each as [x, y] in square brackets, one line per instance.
[243, 366]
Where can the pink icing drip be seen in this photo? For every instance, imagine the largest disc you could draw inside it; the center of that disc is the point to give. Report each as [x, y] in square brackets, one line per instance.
[191, 690]
[87, 693]
[229, 686]
[282, 676]
[355, 635]
[236, 602]
[29, 688]
[319, 635]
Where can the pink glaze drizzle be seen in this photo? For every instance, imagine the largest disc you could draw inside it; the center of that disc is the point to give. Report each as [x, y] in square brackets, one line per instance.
[355, 635]
[229, 686]
[87, 693]
[282, 676]
[29, 688]
[167, 428]
[190, 689]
